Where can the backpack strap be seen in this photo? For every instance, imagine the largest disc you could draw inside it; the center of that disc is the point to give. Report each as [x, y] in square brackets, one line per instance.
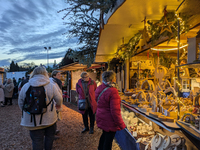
[41, 118]
[34, 120]
[102, 93]
[25, 99]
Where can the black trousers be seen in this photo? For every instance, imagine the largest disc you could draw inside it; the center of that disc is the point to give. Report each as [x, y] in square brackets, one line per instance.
[7, 99]
[106, 139]
[85, 118]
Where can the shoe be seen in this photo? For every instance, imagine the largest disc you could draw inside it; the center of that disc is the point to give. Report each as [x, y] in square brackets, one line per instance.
[91, 130]
[56, 137]
[2, 105]
[84, 130]
[57, 131]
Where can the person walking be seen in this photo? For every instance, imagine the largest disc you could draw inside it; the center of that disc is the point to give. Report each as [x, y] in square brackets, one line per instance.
[41, 131]
[55, 79]
[1, 94]
[5, 81]
[8, 91]
[86, 90]
[24, 81]
[108, 116]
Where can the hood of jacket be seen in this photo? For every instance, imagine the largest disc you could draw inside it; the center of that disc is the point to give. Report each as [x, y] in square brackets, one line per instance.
[39, 80]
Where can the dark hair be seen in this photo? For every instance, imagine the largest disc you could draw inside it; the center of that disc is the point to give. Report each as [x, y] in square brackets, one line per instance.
[54, 73]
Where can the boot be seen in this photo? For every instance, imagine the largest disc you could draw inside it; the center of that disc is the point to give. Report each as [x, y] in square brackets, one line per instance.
[2, 105]
[91, 130]
[85, 129]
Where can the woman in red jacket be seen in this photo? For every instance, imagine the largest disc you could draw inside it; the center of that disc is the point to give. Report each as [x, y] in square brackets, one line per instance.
[85, 89]
[108, 116]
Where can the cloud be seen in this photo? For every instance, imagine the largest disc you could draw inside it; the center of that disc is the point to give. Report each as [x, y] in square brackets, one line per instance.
[26, 27]
[5, 62]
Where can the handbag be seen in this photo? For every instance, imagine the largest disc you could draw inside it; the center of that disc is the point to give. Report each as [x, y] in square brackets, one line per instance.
[82, 104]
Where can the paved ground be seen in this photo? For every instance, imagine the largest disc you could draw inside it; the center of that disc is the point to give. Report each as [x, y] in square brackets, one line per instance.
[15, 137]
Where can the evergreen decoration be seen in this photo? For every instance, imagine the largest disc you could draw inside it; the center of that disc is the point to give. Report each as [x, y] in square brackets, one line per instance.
[128, 50]
[166, 60]
[84, 25]
[165, 25]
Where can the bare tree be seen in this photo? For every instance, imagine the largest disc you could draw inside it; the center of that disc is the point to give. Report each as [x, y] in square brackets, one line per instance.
[84, 24]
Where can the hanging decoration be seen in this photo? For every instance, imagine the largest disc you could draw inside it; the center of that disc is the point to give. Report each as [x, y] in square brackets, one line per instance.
[144, 37]
[165, 25]
[151, 33]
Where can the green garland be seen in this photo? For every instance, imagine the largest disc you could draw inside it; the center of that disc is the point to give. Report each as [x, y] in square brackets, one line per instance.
[128, 50]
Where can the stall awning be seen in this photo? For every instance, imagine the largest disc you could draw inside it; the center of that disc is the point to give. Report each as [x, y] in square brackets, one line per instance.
[125, 21]
[77, 66]
[1, 70]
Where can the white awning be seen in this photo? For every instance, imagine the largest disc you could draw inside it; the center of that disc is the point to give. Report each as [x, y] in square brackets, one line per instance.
[125, 20]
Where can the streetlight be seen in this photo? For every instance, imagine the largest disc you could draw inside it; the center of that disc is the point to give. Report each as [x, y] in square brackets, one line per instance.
[47, 55]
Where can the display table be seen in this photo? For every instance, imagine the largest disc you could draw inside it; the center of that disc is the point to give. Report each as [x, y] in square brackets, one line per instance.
[166, 125]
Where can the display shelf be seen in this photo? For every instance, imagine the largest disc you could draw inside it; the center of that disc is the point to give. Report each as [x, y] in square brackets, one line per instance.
[190, 132]
[190, 65]
[189, 129]
[166, 125]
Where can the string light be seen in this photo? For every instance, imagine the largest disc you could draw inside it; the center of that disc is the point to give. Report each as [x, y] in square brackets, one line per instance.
[169, 49]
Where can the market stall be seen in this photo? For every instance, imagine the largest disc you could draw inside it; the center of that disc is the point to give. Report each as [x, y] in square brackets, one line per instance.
[72, 73]
[160, 102]
[2, 74]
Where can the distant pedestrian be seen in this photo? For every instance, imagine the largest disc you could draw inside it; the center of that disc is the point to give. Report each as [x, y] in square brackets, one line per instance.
[8, 91]
[5, 81]
[55, 79]
[42, 131]
[24, 81]
[108, 117]
[14, 81]
[86, 90]
[1, 94]
[19, 80]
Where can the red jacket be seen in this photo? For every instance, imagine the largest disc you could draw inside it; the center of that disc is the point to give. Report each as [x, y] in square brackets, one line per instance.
[108, 116]
[92, 87]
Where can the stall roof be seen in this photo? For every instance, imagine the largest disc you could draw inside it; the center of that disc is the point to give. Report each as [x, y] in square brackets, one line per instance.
[1, 70]
[125, 20]
[77, 66]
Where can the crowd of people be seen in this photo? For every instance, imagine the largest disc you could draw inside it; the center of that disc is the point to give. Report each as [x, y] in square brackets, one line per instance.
[10, 88]
[40, 100]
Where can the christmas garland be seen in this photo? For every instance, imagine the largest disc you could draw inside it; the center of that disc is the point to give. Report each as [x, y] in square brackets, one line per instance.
[155, 30]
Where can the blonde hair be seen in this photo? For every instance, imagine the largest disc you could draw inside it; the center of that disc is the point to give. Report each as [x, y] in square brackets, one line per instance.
[83, 74]
[39, 70]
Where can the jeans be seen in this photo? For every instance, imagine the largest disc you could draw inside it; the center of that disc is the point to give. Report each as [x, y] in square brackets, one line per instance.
[85, 118]
[43, 138]
[106, 139]
[8, 99]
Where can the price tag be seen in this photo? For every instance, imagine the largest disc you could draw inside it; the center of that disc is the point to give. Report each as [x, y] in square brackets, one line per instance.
[157, 109]
[165, 113]
[135, 134]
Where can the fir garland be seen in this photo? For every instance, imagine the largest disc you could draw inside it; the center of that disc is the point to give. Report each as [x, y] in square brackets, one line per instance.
[128, 50]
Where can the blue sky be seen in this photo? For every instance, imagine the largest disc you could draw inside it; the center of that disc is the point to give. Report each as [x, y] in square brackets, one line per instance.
[27, 26]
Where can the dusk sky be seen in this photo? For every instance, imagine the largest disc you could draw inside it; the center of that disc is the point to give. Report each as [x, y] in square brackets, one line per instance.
[27, 26]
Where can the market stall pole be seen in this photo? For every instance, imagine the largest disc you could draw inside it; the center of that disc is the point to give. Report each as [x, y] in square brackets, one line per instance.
[178, 75]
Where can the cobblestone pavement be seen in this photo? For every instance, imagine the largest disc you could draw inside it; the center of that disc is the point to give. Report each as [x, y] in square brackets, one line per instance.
[15, 137]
